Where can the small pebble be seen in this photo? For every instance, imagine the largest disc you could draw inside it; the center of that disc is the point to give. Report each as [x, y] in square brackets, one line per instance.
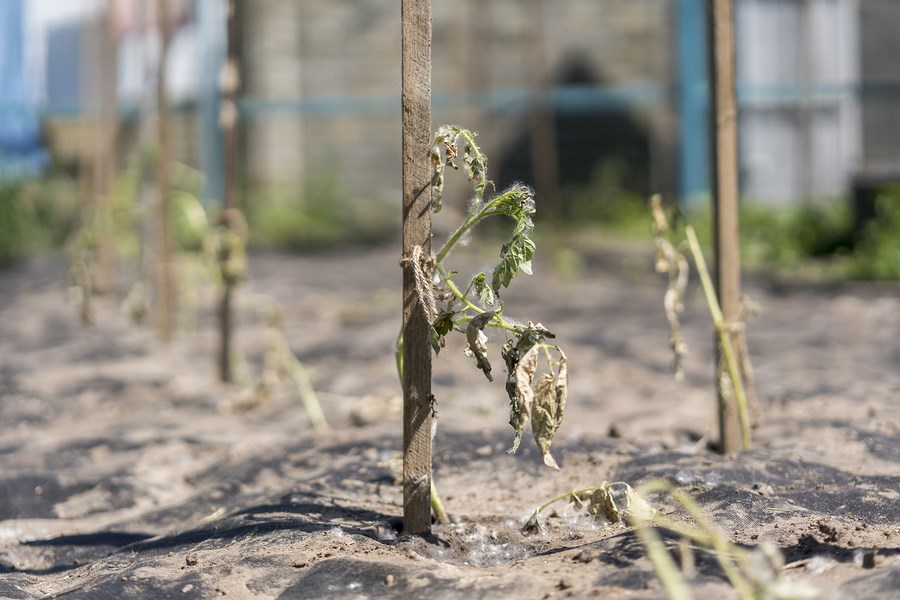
[191, 560]
[389, 580]
[186, 589]
[484, 451]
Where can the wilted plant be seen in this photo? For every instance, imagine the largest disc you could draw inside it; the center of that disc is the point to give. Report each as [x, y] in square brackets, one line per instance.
[753, 572]
[670, 259]
[477, 306]
[115, 227]
[280, 361]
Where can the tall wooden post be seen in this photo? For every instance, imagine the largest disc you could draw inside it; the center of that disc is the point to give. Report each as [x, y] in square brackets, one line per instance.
[107, 159]
[417, 398]
[724, 185]
[544, 157]
[229, 82]
[165, 291]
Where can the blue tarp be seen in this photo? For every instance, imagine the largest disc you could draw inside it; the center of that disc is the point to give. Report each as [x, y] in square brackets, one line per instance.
[21, 152]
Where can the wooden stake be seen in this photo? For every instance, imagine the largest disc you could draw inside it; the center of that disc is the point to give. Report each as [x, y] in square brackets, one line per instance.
[724, 185]
[166, 286]
[229, 82]
[544, 157]
[108, 131]
[417, 398]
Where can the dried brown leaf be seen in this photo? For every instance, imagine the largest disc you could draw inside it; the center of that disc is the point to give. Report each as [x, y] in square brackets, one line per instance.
[533, 525]
[636, 508]
[544, 420]
[602, 506]
[477, 342]
[524, 376]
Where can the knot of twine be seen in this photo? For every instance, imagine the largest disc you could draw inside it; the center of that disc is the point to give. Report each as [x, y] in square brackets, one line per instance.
[422, 268]
[738, 328]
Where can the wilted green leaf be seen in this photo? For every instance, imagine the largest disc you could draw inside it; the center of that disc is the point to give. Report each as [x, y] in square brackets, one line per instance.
[442, 326]
[485, 294]
[476, 166]
[516, 202]
[515, 256]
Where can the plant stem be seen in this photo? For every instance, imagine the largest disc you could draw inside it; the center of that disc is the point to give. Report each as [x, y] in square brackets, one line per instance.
[665, 567]
[706, 534]
[471, 220]
[454, 289]
[724, 336]
[437, 506]
[303, 383]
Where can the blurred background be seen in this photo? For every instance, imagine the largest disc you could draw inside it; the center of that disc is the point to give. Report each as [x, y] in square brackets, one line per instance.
[596, 103]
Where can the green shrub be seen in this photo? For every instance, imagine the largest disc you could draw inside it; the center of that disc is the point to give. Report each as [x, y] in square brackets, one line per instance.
[35, 215]
[607, 202]
[320, 214]
[877, 253]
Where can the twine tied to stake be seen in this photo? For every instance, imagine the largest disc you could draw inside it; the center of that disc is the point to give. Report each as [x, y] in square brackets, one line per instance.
[738, 328]
[422, 273]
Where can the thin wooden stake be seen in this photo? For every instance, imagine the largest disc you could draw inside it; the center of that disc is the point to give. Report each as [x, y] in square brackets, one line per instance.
[724, 185]
[229, 81]
[417, 398]
[108, 131]
[544, 155]
[166, 283]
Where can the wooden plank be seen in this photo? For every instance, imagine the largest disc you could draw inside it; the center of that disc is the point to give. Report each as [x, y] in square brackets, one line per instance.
[417, 398]
[724, 184]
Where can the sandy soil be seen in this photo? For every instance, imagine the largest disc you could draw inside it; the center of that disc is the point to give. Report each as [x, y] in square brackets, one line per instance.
[128, 472]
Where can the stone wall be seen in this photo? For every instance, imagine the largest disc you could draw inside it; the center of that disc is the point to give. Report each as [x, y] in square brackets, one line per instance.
[322, 77]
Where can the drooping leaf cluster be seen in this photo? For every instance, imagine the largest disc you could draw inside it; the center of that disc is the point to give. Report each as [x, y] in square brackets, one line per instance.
[446, 139]
[541, 398]
[537, 377]
[607, 503]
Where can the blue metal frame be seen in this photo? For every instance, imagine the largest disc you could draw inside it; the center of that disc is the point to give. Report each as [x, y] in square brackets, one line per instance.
[693, 100]
[211, 20]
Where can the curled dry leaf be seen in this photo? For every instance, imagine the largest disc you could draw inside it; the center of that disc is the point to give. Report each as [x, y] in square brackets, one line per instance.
[636, 508]
[482, 290]
[477, 342]
[548, 409]
[543, 418]
[669, 260]
[602, 505]
[450, 152]
[533, 525]
[520, 406]
[437, 179]
[660, 222]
